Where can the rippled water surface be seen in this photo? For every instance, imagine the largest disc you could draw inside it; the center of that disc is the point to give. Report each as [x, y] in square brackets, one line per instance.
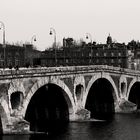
[123, 127]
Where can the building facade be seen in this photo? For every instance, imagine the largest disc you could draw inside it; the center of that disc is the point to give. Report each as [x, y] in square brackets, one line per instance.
[111, 54]
[17, 56]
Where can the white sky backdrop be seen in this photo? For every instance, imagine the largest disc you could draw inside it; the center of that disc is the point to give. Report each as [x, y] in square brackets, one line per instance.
[70, 18]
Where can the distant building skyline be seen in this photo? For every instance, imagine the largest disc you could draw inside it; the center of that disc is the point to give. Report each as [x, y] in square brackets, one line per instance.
[70, 18]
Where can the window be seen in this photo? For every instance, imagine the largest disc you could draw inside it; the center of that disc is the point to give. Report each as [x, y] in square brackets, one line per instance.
[67, 61]
[112, 60]
[9, 54]
[90, 54]
[97, 61]
[97, 54]
[1, 56]
[119, 60]
[9, 62]
[119, 54]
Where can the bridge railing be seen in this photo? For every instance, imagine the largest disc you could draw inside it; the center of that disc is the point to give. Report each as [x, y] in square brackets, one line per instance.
[67, 69]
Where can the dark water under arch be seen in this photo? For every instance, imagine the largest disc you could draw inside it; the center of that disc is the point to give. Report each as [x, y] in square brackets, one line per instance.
[122, 127]
[47, 109]
[100, 101]
[134, 95]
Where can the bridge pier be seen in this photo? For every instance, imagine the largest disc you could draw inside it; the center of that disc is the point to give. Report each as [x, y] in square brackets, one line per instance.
[17, 126]
[82, 115]
[125, 106]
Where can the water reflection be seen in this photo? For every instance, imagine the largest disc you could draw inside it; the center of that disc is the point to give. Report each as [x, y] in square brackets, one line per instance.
[15, 137]
[122, 127]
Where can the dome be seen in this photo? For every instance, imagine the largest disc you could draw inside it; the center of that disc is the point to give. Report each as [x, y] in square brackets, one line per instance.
[109, 40]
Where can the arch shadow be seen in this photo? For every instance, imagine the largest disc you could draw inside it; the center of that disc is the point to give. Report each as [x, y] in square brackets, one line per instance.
[48, 109]
[101, 97]
[134, 95]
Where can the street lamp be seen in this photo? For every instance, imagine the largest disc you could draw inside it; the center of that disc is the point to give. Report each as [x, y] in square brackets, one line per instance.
[135, 65]
[3, 27]
[53, 32]
[88, 36]
[33, 39]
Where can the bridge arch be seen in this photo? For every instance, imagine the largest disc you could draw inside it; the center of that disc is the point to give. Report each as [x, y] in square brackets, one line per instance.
[41, 82]
[99, 103]
[59, 83]
[16, 86]
[16, 99]
[133, 92]
[130, 86]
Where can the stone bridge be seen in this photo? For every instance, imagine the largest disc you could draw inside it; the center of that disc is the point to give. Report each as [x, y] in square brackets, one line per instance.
[33, 99]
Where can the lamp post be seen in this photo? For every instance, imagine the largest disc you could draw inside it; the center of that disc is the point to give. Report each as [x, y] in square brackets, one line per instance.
[88, 36]
[135, 65]
[3, 27]
[33, 39]
[53, 32]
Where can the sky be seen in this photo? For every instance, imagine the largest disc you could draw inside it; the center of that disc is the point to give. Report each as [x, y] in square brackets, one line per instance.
[70, 18]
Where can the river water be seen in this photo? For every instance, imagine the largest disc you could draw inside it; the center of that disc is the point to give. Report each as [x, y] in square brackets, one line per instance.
[122, 127]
